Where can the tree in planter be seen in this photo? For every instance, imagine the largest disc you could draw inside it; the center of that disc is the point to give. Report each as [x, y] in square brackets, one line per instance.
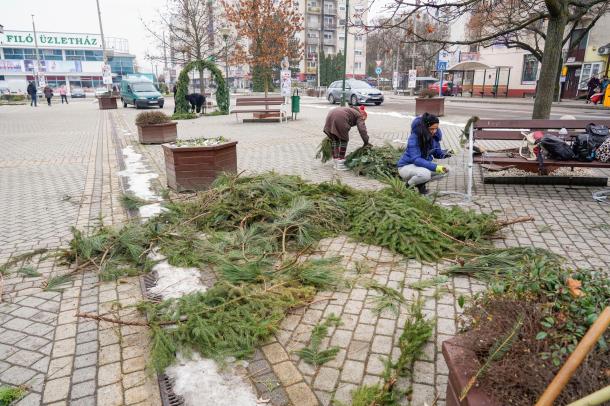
[511, 20]
[222, 95]
[269, 28]
[191, 34]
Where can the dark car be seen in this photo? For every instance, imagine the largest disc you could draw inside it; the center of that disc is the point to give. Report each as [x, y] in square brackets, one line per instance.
[356, 91]
[77, 92]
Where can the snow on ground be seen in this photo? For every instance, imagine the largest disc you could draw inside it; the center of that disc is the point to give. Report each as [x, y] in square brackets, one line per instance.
[138, 178]
[200, 382]
[173, 281]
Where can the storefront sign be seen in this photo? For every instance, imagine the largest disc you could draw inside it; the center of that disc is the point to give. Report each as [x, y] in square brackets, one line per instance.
[50, 40]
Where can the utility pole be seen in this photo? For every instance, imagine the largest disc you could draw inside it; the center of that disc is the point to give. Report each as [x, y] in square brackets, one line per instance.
[38, 71]
[99, 17]
[344, 53]
[164, 55]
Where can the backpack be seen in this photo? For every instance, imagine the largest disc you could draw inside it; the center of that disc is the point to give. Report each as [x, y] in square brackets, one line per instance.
[556, 148]
[529, 147]
[603, 152]
[585, 145]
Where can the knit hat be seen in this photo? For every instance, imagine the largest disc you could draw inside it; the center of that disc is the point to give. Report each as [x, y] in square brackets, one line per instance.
[429, 119]
[362, 111]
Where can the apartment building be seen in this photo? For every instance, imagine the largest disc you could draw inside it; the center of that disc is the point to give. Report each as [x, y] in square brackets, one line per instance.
[324, 30]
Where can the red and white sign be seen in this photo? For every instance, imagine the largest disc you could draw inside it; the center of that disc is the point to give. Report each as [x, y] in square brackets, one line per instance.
[378, 63]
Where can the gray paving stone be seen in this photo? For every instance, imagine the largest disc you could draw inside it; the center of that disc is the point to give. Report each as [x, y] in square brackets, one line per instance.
[82, 361]
[17, 324]
[82, 389]
[352, 371]
[86, 348]
[326, 379]
[16, 375]
[31, 399]
[86, 401]
[24, 358]
[38, 329]
[86, 337]
[84, 374]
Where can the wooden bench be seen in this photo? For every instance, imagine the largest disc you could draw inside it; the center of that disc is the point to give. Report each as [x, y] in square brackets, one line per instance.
[259, 107]
[512, 130]
[530, 94]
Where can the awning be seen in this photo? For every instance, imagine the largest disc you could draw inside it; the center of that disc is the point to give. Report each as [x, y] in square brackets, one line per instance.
[469, 65]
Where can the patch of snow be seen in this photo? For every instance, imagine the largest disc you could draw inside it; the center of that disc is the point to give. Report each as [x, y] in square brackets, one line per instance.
[201, 382]
[174, 281]
[138, 176]
[150, 210]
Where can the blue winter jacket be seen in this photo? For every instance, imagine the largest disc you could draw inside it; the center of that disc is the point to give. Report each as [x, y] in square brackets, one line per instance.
[413, 153]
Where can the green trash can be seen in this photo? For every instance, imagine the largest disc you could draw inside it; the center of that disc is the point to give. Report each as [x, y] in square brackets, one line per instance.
[295, 101]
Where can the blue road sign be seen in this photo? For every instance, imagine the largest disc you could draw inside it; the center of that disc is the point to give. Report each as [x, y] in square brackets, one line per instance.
[378, 70]
[441, 65]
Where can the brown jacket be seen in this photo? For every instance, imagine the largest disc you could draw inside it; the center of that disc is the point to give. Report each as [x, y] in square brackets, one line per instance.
[341, 119]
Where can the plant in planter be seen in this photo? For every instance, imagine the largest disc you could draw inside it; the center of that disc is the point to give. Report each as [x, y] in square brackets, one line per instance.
[156, 127]
[428, 102]
[194, 164]
[107, 101]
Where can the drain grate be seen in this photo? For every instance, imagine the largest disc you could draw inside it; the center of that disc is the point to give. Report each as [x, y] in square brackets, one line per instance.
[168, 397]
[147, 281]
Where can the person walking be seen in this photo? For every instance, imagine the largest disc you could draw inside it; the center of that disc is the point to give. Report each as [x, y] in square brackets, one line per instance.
[415, 166]
[338, 123]
[62, 93]
[48, 93]
[592, 84]
[32, 91]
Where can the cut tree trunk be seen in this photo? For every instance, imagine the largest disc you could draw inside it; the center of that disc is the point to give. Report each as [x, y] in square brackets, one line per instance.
[201, 84]
[550, 60]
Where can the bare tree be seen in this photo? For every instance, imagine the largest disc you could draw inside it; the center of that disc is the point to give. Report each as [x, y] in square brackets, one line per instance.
[540, 26]
[186, 31]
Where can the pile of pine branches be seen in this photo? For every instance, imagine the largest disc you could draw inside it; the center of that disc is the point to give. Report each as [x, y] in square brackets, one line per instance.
[375, 162]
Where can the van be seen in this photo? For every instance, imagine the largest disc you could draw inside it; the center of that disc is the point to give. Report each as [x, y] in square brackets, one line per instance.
[140, 93]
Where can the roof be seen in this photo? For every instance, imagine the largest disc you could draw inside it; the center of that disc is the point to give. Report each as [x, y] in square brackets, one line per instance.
[472, 65]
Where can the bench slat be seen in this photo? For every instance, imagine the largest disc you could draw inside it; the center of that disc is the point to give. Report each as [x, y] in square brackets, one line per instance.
[256, 111]
[518, 161]
[538, 124]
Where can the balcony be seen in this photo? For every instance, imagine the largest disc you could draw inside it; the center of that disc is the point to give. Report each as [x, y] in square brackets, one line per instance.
[330, 41]
[311, 70]
[313, 10]
[576, 55]
[330, 11]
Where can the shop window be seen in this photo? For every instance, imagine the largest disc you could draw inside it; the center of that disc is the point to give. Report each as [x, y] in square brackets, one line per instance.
[530, 70]
[588, 70]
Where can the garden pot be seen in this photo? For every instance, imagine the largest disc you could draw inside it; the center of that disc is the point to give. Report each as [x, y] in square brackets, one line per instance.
[195, 168]
[434, 105]
[463, 364]
[157, 133]
[107, 102]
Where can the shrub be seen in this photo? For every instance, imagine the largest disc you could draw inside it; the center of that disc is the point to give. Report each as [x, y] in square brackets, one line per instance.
[428, 93]
[13, 97]
[184, 116]
[152, 118]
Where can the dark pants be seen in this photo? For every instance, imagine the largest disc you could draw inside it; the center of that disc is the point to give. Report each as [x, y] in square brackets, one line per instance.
[339, 147]
[64, 97]
[49, 100]
[34, 101]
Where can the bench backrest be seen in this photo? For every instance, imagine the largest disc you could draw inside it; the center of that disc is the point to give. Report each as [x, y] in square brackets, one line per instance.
[511, 129]
[259, 101]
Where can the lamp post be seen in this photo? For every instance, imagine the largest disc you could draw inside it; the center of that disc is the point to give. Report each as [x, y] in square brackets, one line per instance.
[344, 54]
[38, 72]
[104, 56]
[225, 35]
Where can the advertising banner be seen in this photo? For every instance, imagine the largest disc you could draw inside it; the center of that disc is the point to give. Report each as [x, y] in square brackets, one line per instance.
[8, 66]
[106, 75]
[412, 78]
[286, 82]
[54, 66]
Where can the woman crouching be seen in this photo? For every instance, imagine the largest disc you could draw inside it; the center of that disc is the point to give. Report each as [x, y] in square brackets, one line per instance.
[415, 166]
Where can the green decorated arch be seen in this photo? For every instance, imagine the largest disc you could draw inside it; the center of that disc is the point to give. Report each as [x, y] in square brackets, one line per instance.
[222, 94]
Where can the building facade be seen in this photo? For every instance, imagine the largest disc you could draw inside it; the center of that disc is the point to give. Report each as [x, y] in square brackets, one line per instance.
[324, 30]
[71, 59]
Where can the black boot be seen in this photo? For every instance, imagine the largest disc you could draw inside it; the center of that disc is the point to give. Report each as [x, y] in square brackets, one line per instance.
[422, 189]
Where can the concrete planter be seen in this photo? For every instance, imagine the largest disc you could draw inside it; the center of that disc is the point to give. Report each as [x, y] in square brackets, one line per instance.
[435, 105]
[107, 102]
[195, 168]
[463, 364]
[157, 133]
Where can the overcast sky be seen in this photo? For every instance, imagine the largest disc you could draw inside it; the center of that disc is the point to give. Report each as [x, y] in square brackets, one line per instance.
[121, 18]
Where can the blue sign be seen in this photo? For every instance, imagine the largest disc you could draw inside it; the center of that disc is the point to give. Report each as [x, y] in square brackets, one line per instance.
[441, 65]
[378, 70]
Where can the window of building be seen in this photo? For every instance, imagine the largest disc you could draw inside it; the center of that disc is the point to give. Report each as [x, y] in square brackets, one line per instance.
[358, 52]
[329, 21]
[121, 65]
[358, 65]
[328, 35]
[19, 53]
[312, 3]
[329, 50]
[311, 64]
[312, 34]
[2, 77]
[530, 70]
[588, 70]
[313, 20]
[51, 54]
[329, 8]
[78, 55]
[359, 38]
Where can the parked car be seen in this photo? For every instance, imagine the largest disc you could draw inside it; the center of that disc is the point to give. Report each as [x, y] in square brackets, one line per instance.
[356, 91]
[77, 92]
[140, 93]
[101, 91]
[446, 92]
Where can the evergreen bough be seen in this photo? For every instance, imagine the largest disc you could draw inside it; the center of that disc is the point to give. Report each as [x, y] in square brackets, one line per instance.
[222, 93]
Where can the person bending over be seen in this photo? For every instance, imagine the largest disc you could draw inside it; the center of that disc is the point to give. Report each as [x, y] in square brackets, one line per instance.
[338, 123]
[415, 166]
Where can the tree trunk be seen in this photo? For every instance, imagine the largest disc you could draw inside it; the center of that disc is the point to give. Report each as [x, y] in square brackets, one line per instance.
[550, 64]
[201, 84]
[266, 83]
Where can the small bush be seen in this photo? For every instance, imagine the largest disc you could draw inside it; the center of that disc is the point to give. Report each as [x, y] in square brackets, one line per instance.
[428, 93]
[13, 97]
[152, 118]
[184, 116]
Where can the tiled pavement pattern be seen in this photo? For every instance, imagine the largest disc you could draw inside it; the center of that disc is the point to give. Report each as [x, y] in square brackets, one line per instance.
[59, 169]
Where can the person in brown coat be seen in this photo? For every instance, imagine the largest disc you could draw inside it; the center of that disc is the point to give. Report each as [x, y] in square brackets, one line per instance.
[338, 123]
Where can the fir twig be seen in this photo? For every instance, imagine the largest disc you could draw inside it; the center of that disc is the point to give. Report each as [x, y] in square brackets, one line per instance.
[312, 354]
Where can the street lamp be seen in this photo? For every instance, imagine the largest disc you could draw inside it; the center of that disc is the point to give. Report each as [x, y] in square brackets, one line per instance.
[225, 35]
[345, 53]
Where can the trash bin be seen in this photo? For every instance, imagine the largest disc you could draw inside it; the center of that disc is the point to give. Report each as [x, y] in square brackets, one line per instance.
[295, 102]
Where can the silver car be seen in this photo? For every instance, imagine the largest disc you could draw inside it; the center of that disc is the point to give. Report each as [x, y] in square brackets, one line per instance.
[356, 91]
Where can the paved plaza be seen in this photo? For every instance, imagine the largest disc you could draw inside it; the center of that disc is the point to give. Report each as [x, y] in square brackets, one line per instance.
[59, 168]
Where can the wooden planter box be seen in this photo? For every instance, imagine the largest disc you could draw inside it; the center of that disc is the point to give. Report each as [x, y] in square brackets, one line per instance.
[158, 133]
[463, 364]
[107, 103]
[435, 105]
[195, 168]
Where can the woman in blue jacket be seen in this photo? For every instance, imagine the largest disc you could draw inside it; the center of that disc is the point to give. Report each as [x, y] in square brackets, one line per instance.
[416, 166]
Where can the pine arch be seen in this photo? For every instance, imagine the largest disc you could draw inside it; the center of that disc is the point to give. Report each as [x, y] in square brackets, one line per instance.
[222, 94]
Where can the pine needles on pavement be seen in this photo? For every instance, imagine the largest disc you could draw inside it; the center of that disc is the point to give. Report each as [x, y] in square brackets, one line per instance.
[387, 299]
[312, 354]
[132, 202]
[53, 284]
